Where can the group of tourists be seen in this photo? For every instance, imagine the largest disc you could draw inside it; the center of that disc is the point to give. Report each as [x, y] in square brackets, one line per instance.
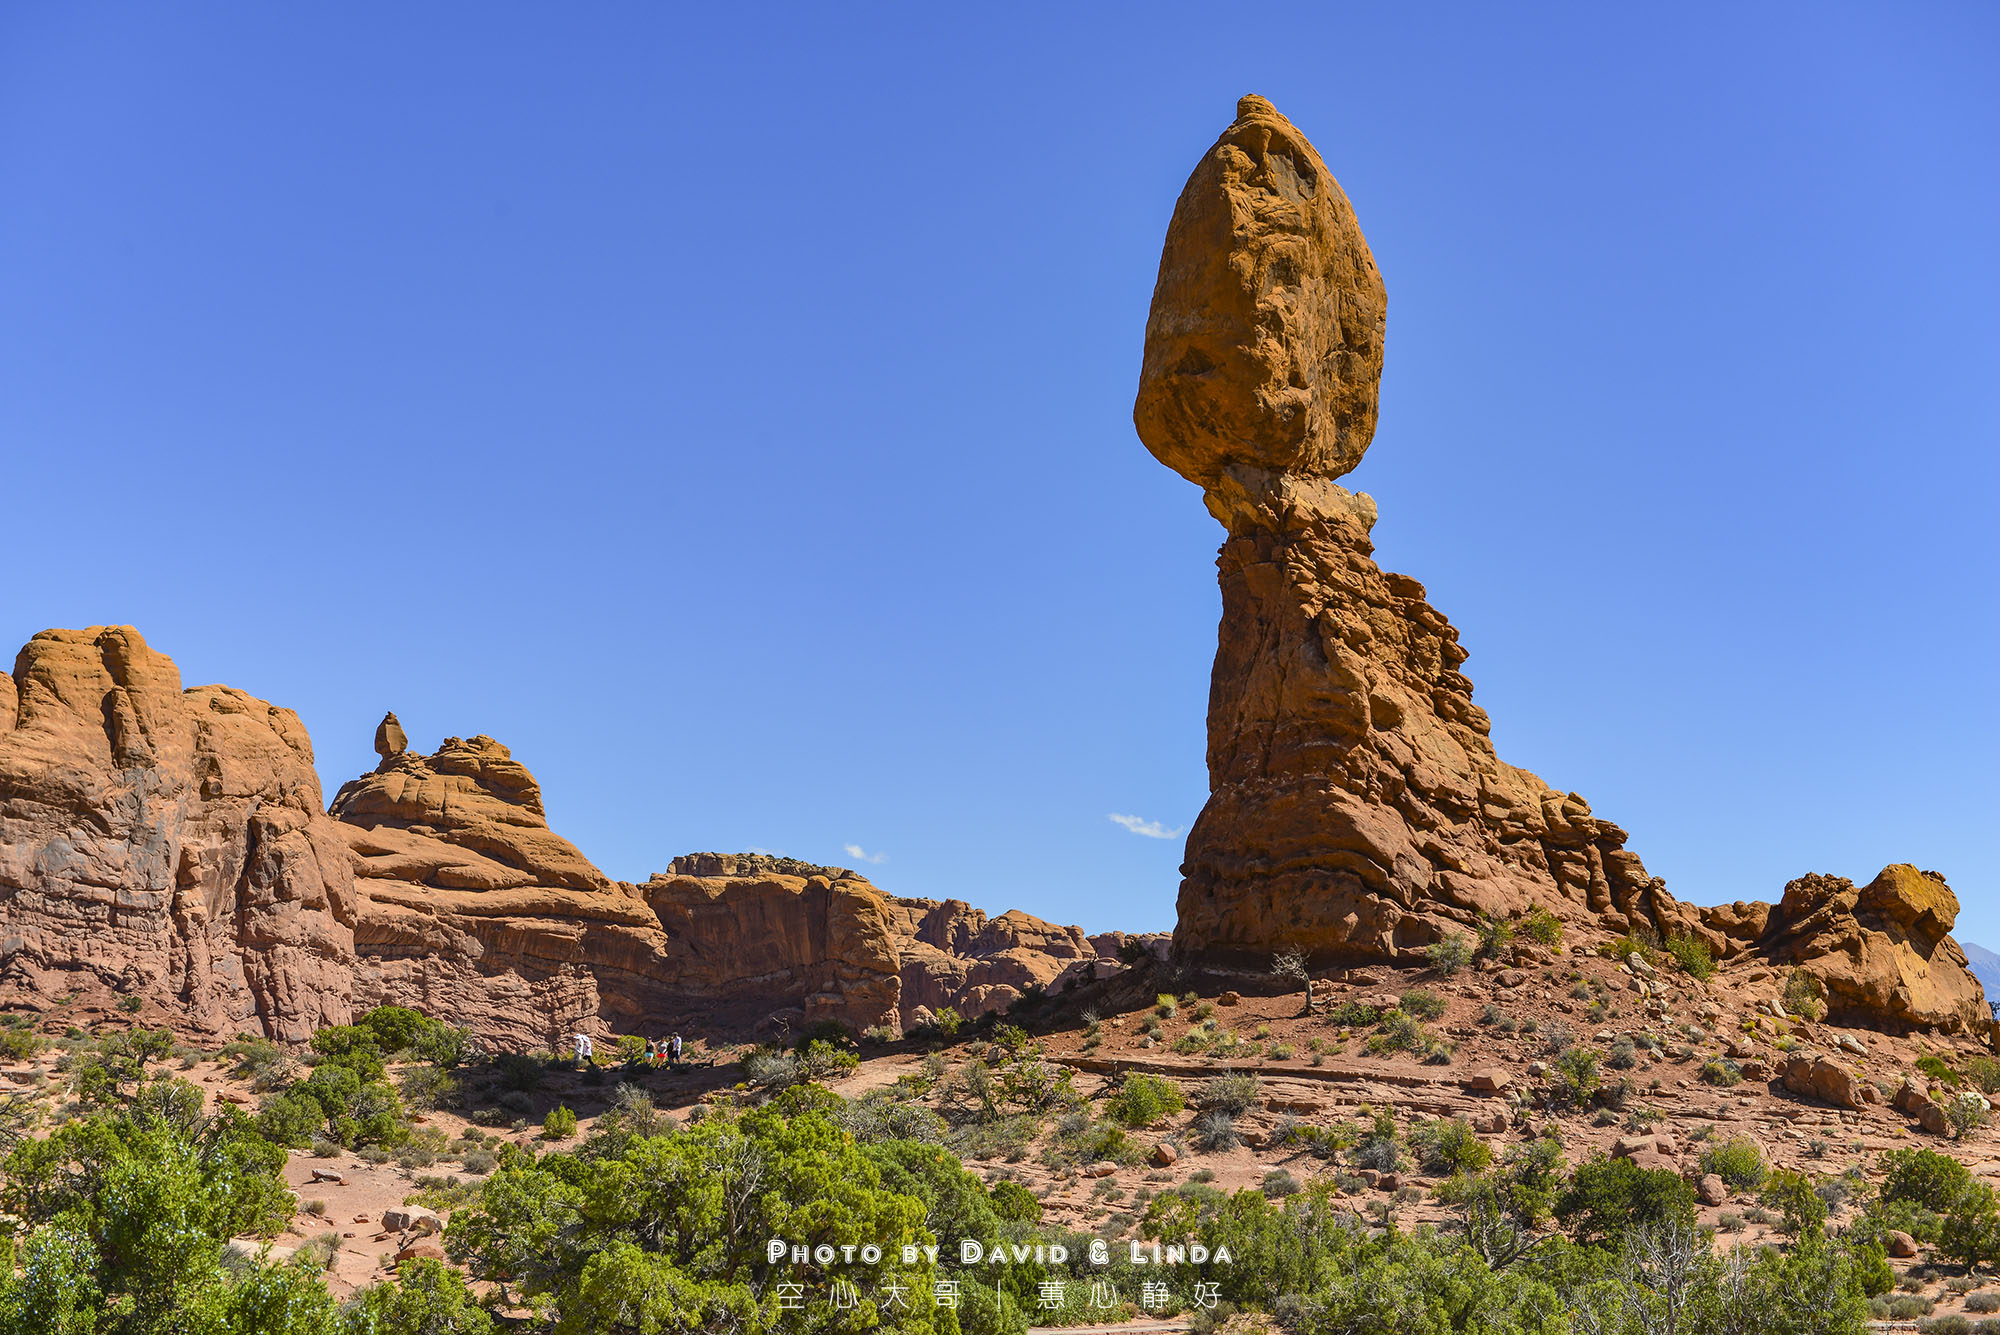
[659, 1051]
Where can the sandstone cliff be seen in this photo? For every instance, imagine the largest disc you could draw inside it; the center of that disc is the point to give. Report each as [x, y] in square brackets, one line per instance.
[166, 842]
[170, 845]
[473, 907]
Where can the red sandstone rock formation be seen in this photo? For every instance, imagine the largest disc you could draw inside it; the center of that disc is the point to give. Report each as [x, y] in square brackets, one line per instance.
[166, 842]
[170, 844]
[1882, 952]
[1357, 808]
[474, 907]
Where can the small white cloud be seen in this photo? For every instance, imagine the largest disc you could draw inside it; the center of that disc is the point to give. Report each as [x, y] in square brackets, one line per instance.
[1152, 829]
[854, 851]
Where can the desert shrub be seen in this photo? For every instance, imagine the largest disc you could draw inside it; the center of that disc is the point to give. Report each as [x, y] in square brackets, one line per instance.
[880, 1115]
[317, 1252]
[1278, 1184]
[1983, 1301]
[560, 1124]
[1496, 936]
[1899, 1307]
[517, 1071]
[1607, 1200]
[335, 1103]
[1541, 926]
[1352, 1015]
[1692, 954]
[1804, 996]
[1964, 1113]
[1449, 1146]
[267, 1066]
[1625, 947]
[1575, 1077]
[1015, 1203]
[1399, 1032]
[1002, 1138]
[429, 1087]
[1424, 1005]
[1738, 1162]
[1721, 1072]
[1144, 1099]
[1215, 1129]
[769, 1069]
[1450, 954]
[1923, 1178]
[632, 1112]
[478, 1162]
[1624, 1054]
[1234, 1094]
[1801, 1209]
[820, 1059]
[18, 1039]
[1935, 1067]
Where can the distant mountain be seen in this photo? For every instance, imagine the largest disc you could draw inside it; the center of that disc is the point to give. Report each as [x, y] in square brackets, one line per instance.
[1985, 967]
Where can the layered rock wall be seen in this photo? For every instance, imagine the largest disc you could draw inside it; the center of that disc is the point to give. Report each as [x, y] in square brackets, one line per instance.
[166, 842]
[170, 845]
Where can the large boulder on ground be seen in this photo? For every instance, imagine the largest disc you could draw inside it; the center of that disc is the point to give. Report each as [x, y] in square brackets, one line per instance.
[411, 1218]
[1820, 1077]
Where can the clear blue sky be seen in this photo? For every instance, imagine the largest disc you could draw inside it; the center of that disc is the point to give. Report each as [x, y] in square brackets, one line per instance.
[731, 412]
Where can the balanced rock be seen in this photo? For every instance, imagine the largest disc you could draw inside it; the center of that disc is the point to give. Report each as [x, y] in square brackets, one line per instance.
[389, 739]
[1356, 808]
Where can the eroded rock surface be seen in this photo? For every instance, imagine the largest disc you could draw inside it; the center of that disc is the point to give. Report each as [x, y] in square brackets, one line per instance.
[170, 845]
[1882, 952]
[1357, 808]
[166, 843]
